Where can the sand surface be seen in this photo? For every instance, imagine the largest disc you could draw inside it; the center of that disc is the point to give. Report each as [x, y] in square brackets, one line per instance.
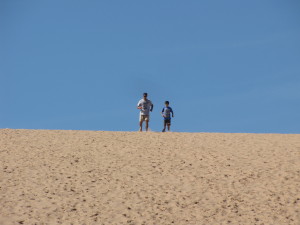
[100, 177]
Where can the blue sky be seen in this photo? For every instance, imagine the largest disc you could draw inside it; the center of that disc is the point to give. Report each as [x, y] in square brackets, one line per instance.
[225, 66]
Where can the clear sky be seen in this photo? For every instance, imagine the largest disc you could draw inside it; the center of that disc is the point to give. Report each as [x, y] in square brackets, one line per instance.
[225, 66]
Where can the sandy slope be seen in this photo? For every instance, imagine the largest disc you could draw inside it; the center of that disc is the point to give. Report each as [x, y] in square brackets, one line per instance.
[89, 177]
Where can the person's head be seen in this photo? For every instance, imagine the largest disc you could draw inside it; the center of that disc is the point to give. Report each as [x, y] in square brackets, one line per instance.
[167, 103]
[145, 95]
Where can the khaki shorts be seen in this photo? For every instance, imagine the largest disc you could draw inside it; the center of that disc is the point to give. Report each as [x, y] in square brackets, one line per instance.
[144, 118]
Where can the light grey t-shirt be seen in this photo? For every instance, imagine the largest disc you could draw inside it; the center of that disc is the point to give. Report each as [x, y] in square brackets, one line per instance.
[146, 106]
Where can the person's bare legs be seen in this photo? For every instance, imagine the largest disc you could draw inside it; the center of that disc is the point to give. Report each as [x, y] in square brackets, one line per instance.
[169, 126]
[141, 125]
[164, 127]
[147, 125]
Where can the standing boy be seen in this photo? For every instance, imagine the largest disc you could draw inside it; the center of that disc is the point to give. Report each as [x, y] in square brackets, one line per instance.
[166, 113]
[145, 106]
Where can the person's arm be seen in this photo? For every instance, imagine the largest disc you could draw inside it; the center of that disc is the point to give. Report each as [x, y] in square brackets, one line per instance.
[151, 107]
[172, 112]
[139, 105]
[162, 112]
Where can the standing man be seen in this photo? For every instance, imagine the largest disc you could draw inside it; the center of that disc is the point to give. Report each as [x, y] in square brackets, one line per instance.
[145, 106]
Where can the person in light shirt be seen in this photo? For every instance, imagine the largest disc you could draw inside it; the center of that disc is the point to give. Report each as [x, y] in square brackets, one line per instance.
[145, 106]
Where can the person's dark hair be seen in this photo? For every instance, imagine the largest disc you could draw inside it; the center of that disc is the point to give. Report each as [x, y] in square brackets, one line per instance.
[167, 102]
[145, 94]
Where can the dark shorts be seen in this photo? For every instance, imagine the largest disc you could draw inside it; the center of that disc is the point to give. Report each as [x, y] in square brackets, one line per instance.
[167, 121]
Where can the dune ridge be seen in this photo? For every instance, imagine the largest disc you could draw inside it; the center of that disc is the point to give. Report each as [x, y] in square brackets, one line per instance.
[101, 177]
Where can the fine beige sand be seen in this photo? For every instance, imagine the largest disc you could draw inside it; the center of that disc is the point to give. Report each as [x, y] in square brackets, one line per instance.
[100, 177]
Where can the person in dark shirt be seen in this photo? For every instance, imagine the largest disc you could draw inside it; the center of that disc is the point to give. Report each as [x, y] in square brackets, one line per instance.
[166, 113]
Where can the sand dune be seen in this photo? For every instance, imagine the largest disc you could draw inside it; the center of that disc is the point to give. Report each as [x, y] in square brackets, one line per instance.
[99, 177]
